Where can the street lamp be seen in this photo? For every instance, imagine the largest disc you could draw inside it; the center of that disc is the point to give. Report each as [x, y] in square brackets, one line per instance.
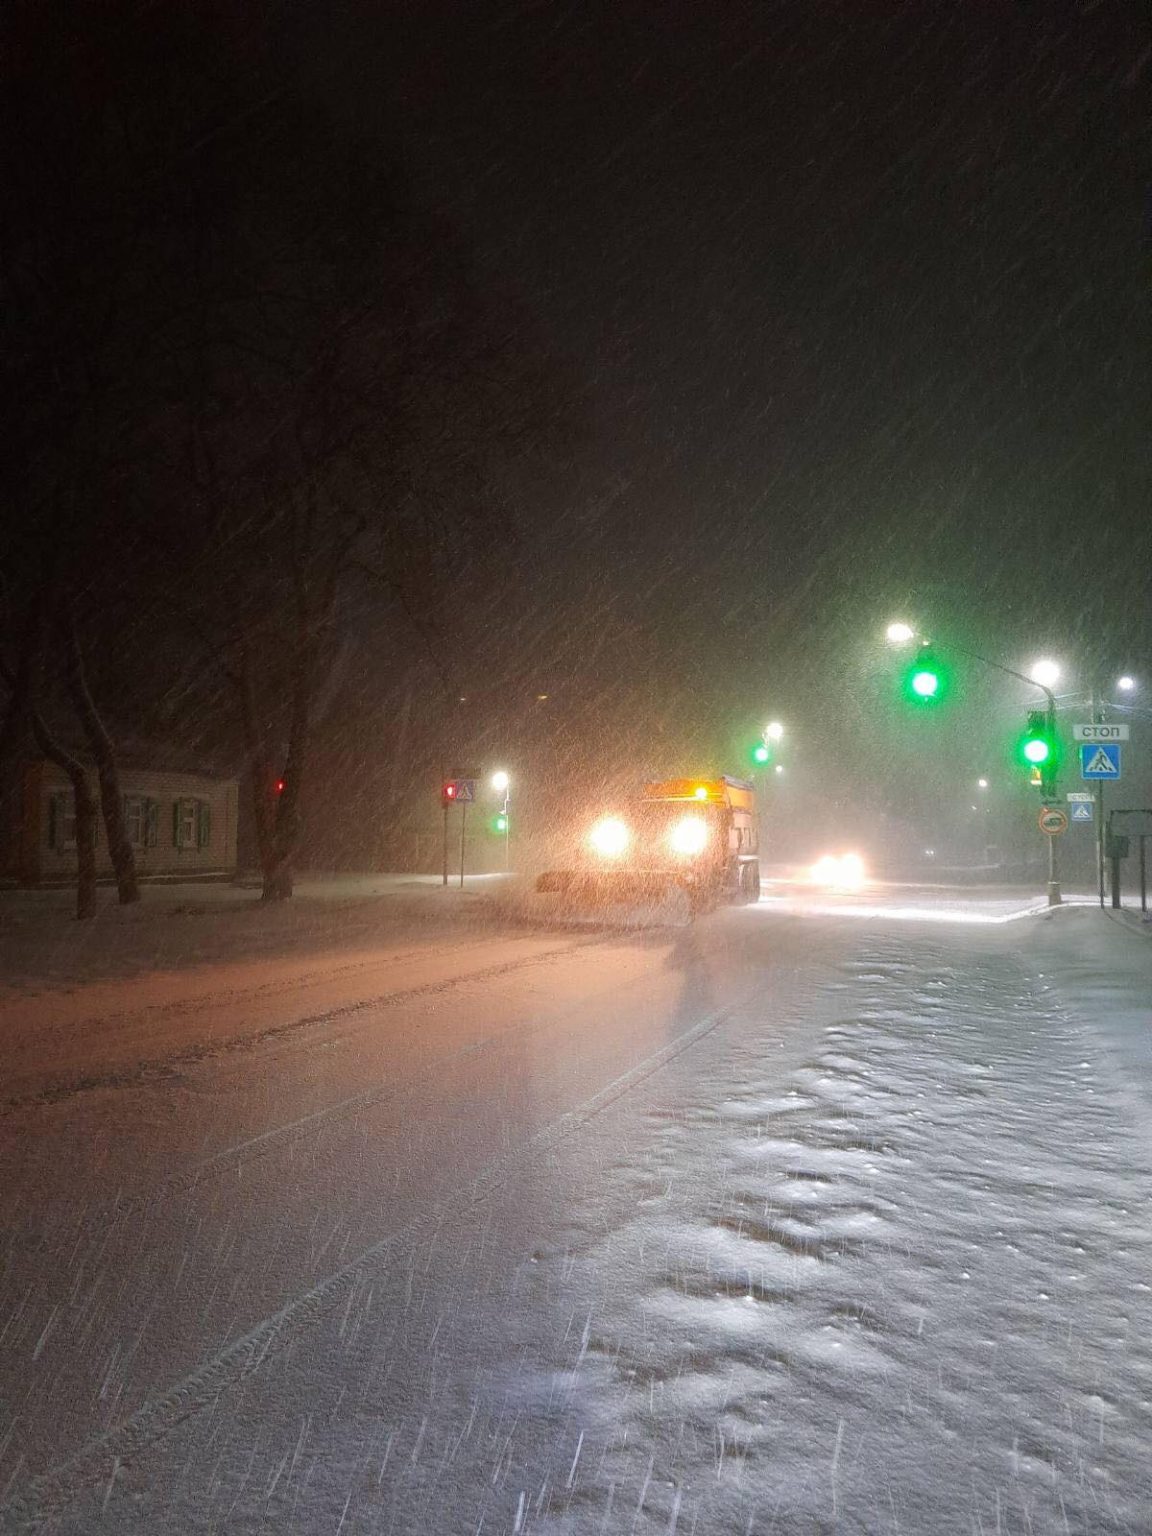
[1126, 684]
[923, 683]
[769, 736]
[981, 783]
[1044, 673]
[502, 784]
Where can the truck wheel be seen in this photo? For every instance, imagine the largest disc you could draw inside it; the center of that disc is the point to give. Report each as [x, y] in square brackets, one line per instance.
[749, 883]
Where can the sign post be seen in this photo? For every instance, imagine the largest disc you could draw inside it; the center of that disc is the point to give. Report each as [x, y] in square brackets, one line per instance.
[1053, 821]
[1099, 762]
[456, 792]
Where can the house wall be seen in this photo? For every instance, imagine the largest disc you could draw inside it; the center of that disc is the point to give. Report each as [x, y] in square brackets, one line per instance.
[214, 853]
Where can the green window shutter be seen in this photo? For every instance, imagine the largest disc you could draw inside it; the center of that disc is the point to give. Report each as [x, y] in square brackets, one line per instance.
[203, 824]
[151, 823]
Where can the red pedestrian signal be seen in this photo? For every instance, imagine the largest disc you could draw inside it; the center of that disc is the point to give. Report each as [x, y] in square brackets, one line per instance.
[281, 785]
[448, 792]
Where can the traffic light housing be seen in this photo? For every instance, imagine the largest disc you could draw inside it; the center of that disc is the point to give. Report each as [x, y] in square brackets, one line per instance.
[1039, 750]
[761, 753]
[448, 792]
[500, 822]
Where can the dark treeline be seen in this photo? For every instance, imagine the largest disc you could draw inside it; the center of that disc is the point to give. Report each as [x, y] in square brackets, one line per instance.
[259, 404]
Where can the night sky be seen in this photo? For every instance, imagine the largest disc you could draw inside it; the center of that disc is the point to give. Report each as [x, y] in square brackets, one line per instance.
[850, 301]
[858, 294]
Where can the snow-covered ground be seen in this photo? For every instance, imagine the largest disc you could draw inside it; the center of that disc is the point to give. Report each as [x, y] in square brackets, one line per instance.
[788, 1221]
[180, 925]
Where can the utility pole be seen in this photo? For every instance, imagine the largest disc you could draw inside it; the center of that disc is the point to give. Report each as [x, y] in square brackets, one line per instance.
[1054, 896]
[1097, 719]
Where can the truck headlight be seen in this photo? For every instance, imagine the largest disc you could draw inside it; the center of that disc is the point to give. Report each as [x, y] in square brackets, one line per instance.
[610, 837]
[689, 836]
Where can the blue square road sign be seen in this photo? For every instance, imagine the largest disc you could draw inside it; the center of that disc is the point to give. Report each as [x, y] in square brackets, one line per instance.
[1100, 760]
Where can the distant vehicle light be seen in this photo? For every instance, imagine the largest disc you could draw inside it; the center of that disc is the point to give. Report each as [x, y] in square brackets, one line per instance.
[688, 836]
[701, 791]
[852, 870]
[844, 872]
[610, 837]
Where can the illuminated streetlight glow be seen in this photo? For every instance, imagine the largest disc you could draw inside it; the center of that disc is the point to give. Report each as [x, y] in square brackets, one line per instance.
[900, 634]
[1045, 673]
[779, 767]
[774, 730]
[1126, 684]
[500, 781]
[981, 783]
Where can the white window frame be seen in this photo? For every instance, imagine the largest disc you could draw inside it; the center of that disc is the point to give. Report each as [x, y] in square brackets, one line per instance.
[136, 820]
[63, 818]
[186, 822]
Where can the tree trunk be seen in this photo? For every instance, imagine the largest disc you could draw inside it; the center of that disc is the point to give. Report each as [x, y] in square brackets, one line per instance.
[21, 679]
[277, 871]
[86, 813]
[104, 755]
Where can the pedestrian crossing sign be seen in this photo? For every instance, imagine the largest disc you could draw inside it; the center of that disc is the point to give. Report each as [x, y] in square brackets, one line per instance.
[1100, 760]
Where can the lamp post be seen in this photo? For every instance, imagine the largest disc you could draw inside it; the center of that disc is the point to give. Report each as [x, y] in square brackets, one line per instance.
[1095, 699]
[899, 633]
[502, 784]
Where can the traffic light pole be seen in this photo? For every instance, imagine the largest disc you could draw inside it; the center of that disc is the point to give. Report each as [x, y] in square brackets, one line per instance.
[1097, 713]
[1054, 897]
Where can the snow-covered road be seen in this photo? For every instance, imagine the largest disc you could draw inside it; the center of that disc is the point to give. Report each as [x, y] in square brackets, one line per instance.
[786, 1221]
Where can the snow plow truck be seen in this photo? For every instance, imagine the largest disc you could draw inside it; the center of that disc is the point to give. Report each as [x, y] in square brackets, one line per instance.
[699, 835]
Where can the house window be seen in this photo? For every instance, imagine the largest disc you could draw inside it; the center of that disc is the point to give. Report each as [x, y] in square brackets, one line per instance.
[141, 820]
[192, 824]
[62, 821]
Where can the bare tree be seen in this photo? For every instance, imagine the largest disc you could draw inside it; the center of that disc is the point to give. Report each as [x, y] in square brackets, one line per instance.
[103, 752]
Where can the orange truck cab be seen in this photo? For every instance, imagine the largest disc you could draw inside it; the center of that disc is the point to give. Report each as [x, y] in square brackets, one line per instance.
[697, 834]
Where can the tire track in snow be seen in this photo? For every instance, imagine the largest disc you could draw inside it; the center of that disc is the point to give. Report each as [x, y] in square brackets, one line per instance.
[50, 1494]
[161, 1067]
[280, 1137]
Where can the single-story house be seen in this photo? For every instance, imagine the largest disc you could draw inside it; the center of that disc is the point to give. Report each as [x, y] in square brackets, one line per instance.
[178, 822]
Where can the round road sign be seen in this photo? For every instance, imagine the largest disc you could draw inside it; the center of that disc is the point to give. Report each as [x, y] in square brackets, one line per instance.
[1053, 820]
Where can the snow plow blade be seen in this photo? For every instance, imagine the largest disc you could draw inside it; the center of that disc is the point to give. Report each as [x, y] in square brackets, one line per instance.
[608, 888]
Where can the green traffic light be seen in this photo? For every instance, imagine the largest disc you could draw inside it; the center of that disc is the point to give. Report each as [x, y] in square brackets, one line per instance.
[925, 681]
[761, 753]
[1038, 748]
[500, 824]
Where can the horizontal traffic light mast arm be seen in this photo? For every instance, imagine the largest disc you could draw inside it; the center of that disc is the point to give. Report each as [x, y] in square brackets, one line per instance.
[986, 661]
